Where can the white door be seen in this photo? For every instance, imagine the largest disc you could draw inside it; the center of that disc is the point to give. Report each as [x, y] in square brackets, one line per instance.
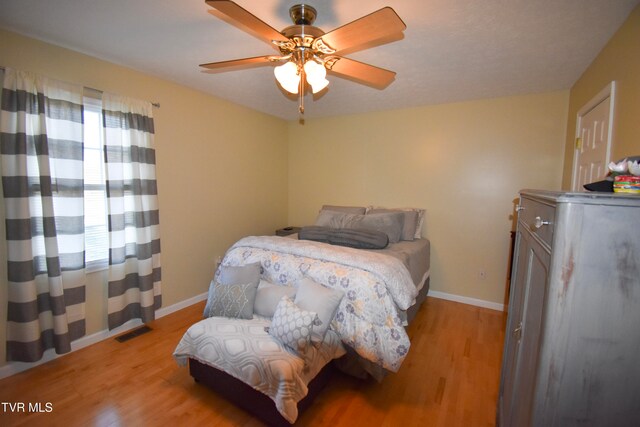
[593, 144]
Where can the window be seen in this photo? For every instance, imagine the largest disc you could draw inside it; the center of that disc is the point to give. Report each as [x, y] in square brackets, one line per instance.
[95, 208]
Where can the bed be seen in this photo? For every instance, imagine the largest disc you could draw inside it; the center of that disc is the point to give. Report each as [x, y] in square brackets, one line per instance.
[383, 290]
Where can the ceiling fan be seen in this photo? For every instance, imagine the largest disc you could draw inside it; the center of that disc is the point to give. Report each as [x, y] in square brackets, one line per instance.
[306, 52]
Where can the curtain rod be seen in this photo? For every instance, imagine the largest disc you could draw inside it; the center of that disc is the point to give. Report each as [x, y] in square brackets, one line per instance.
[155, 104]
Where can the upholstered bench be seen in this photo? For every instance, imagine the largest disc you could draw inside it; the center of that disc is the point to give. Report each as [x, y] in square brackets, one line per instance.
[263, 341]
[241, 361]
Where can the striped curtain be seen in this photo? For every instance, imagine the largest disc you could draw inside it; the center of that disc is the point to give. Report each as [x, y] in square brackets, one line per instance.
[134, 235]
[42, 180]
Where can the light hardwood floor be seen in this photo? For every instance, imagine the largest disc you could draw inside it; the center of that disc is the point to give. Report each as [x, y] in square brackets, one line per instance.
[449, 378]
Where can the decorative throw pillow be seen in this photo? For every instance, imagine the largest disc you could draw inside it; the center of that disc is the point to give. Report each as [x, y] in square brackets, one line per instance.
[269, 295]
[314, 297]
[234, 301]
[232, 275]
[292, 326]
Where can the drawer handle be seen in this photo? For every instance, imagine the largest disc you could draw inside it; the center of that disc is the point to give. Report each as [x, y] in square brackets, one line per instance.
[538, 222]
[519, 208]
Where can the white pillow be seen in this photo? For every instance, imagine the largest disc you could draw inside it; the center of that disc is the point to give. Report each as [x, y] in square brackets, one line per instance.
[269, 295]
[314, 297]
[293, 326]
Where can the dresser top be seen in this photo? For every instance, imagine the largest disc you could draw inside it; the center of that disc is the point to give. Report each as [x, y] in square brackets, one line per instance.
[591, 197]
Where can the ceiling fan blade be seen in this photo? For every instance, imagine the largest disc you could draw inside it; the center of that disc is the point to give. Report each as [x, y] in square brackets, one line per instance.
[360, 72]
[381, 23]
[256, 61]
[246, 20]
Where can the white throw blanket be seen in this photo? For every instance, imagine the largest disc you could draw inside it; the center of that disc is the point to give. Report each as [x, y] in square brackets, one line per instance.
[376, 286]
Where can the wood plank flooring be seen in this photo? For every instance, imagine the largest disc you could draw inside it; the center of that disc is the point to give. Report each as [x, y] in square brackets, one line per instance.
[449, 378]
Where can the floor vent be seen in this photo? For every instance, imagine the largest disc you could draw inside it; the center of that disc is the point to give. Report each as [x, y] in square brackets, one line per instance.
[136, 332]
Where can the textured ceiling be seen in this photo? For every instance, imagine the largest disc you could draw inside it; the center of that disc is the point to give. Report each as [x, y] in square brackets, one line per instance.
[452, 50]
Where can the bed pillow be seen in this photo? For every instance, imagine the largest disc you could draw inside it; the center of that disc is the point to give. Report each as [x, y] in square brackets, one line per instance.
[353, 238]
[232, 275]
[332, 219]
[233, 301]
[390, 223]
[314, 297]
[345, 209]
[410, 222]
[293, 326]
[419, 212]
[269, 295]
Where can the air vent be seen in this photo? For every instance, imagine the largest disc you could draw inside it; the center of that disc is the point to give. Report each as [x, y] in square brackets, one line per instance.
[135, 333]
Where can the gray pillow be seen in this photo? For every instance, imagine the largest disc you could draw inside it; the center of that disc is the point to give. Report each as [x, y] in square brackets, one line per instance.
[234, 301]
[410, 223]
[390, 223]
[346, 209]
[350, 237]
[293, 326]
[268, 296]
[314, 297]
[332, 219]
[232, 275]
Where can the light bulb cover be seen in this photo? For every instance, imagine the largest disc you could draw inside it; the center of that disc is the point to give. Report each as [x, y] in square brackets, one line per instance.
[316, 75]
[288, 76]
[319, 85]
[315, 72]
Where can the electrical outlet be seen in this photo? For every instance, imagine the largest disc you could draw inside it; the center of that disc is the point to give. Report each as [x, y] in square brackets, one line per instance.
[482, 274]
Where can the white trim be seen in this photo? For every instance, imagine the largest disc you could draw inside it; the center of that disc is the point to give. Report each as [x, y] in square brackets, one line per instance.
[608, 92]
[12, 368]
[467, 300]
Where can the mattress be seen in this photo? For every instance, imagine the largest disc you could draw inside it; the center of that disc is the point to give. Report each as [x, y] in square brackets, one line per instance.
[415, 255]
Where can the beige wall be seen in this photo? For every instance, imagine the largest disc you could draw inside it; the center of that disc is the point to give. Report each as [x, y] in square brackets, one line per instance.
[619, 61]
[463, 162]
[219, 179]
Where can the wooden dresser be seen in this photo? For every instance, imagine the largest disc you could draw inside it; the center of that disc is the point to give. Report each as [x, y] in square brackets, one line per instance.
[572, 343]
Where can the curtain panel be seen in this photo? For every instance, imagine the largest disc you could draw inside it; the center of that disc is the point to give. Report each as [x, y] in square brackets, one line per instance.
[41, 137]
[134, 289]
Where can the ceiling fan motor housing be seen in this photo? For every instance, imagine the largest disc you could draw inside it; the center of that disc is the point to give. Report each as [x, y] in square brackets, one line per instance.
[302, 14]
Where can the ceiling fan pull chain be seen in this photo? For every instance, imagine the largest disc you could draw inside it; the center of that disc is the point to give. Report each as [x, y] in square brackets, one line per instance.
[302, 84]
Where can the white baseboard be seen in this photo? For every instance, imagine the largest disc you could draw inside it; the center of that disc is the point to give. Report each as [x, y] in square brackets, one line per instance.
[12, 368]
[467, 300]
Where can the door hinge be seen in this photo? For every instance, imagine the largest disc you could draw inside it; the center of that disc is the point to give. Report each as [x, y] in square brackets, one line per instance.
[578, 143]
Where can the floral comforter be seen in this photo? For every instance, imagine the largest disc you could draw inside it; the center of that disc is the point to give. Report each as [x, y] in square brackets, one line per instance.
[376, 287]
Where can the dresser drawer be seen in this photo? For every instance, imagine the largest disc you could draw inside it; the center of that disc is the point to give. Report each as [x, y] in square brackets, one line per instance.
[537, 217]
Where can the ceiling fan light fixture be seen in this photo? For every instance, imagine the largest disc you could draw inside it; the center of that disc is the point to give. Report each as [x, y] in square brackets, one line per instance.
[318, 86]
[316, 75]
[307, 52]
[288, 76]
